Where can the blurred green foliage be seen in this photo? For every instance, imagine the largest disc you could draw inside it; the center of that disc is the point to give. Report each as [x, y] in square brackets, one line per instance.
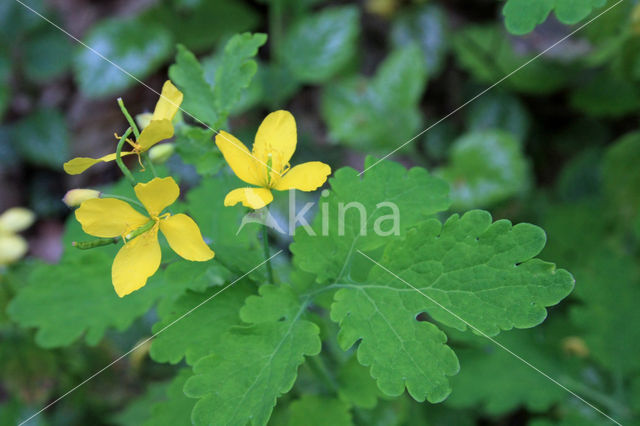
[556, 144]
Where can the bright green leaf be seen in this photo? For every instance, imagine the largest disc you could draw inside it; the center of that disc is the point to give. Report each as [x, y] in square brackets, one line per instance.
[522, 16]
[188, 75]
[175, 407]
[195, 146]
[339, 232]
[254, 364]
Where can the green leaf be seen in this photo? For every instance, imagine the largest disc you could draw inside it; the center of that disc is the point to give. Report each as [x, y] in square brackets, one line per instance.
[236, 245]
[15, 19]
[499, 110]
[489, 55]
[357, 387]
[5, 74]
[138, 411]
[609, 288]
[188, 75]
[606, 96]
[42, 138]
[339, 232]
[313, 410]
[320, 44]
[507, 383]
[175, 408]
[194, 335]
[76, 297]
[382, 113]
[47, 54]
[195, 146]
[621, 174]
[427, 26]
[253, 364]
[485, 168]
[522, 16]
[200, 24]
[138, 46]
[235, 70]
[483, 272]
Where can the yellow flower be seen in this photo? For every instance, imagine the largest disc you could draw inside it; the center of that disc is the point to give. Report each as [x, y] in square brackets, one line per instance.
[267, 166]
[13, 246]
[158, 129]
[139, 258]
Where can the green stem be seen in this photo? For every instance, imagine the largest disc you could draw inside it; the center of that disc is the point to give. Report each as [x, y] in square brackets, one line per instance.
[147, 161]
[123, 198]
[99, 242]
[132, 123]
[317, 365]
[614, 407]
[86, 245]
[124, 168]
[265, 244]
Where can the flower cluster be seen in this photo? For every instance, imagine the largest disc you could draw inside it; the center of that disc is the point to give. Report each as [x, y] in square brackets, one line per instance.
[113, 220]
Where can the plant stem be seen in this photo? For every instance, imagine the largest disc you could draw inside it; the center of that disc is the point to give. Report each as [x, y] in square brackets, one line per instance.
[616, 408]
[132, 123]
[317, 365]
[123, 198]
[124, 168]
[147, 161]
[99, 242]
[265, 244]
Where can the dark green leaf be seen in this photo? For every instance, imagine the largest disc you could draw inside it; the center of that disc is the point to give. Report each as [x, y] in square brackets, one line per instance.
[42, 138]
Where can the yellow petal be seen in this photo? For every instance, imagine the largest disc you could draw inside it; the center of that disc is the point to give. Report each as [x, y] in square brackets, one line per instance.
[239, 158]
[136, 261]
[156, 131]
[276, 135]
[255, 198]
[184, 237]
[169, 102]
[80, 164]
[12, 248]
[305, 177]
[16, 219]
[157, 194]
[108, 217]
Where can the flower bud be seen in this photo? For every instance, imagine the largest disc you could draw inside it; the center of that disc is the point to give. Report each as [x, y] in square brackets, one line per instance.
[143, 119]
[574, 345]
[12, 248]
[16, 219]
[75, 197]
[161, 153]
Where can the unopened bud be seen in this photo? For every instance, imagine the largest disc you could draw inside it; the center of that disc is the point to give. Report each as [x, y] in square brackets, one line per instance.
[75, 197]
[574, 345]
[12, 248]
[16, 219]
[143, 119]
[161, 153]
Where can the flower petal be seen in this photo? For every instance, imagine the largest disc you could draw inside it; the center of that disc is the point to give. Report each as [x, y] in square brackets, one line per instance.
[12, 248]
[169, 102]
[108, 217]
[80, 164]
[136, 261]
[156, 131]
[239, 158]
[305, 177]
[157, 194]
[255, 198]
[184, 237]
[277, 134]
